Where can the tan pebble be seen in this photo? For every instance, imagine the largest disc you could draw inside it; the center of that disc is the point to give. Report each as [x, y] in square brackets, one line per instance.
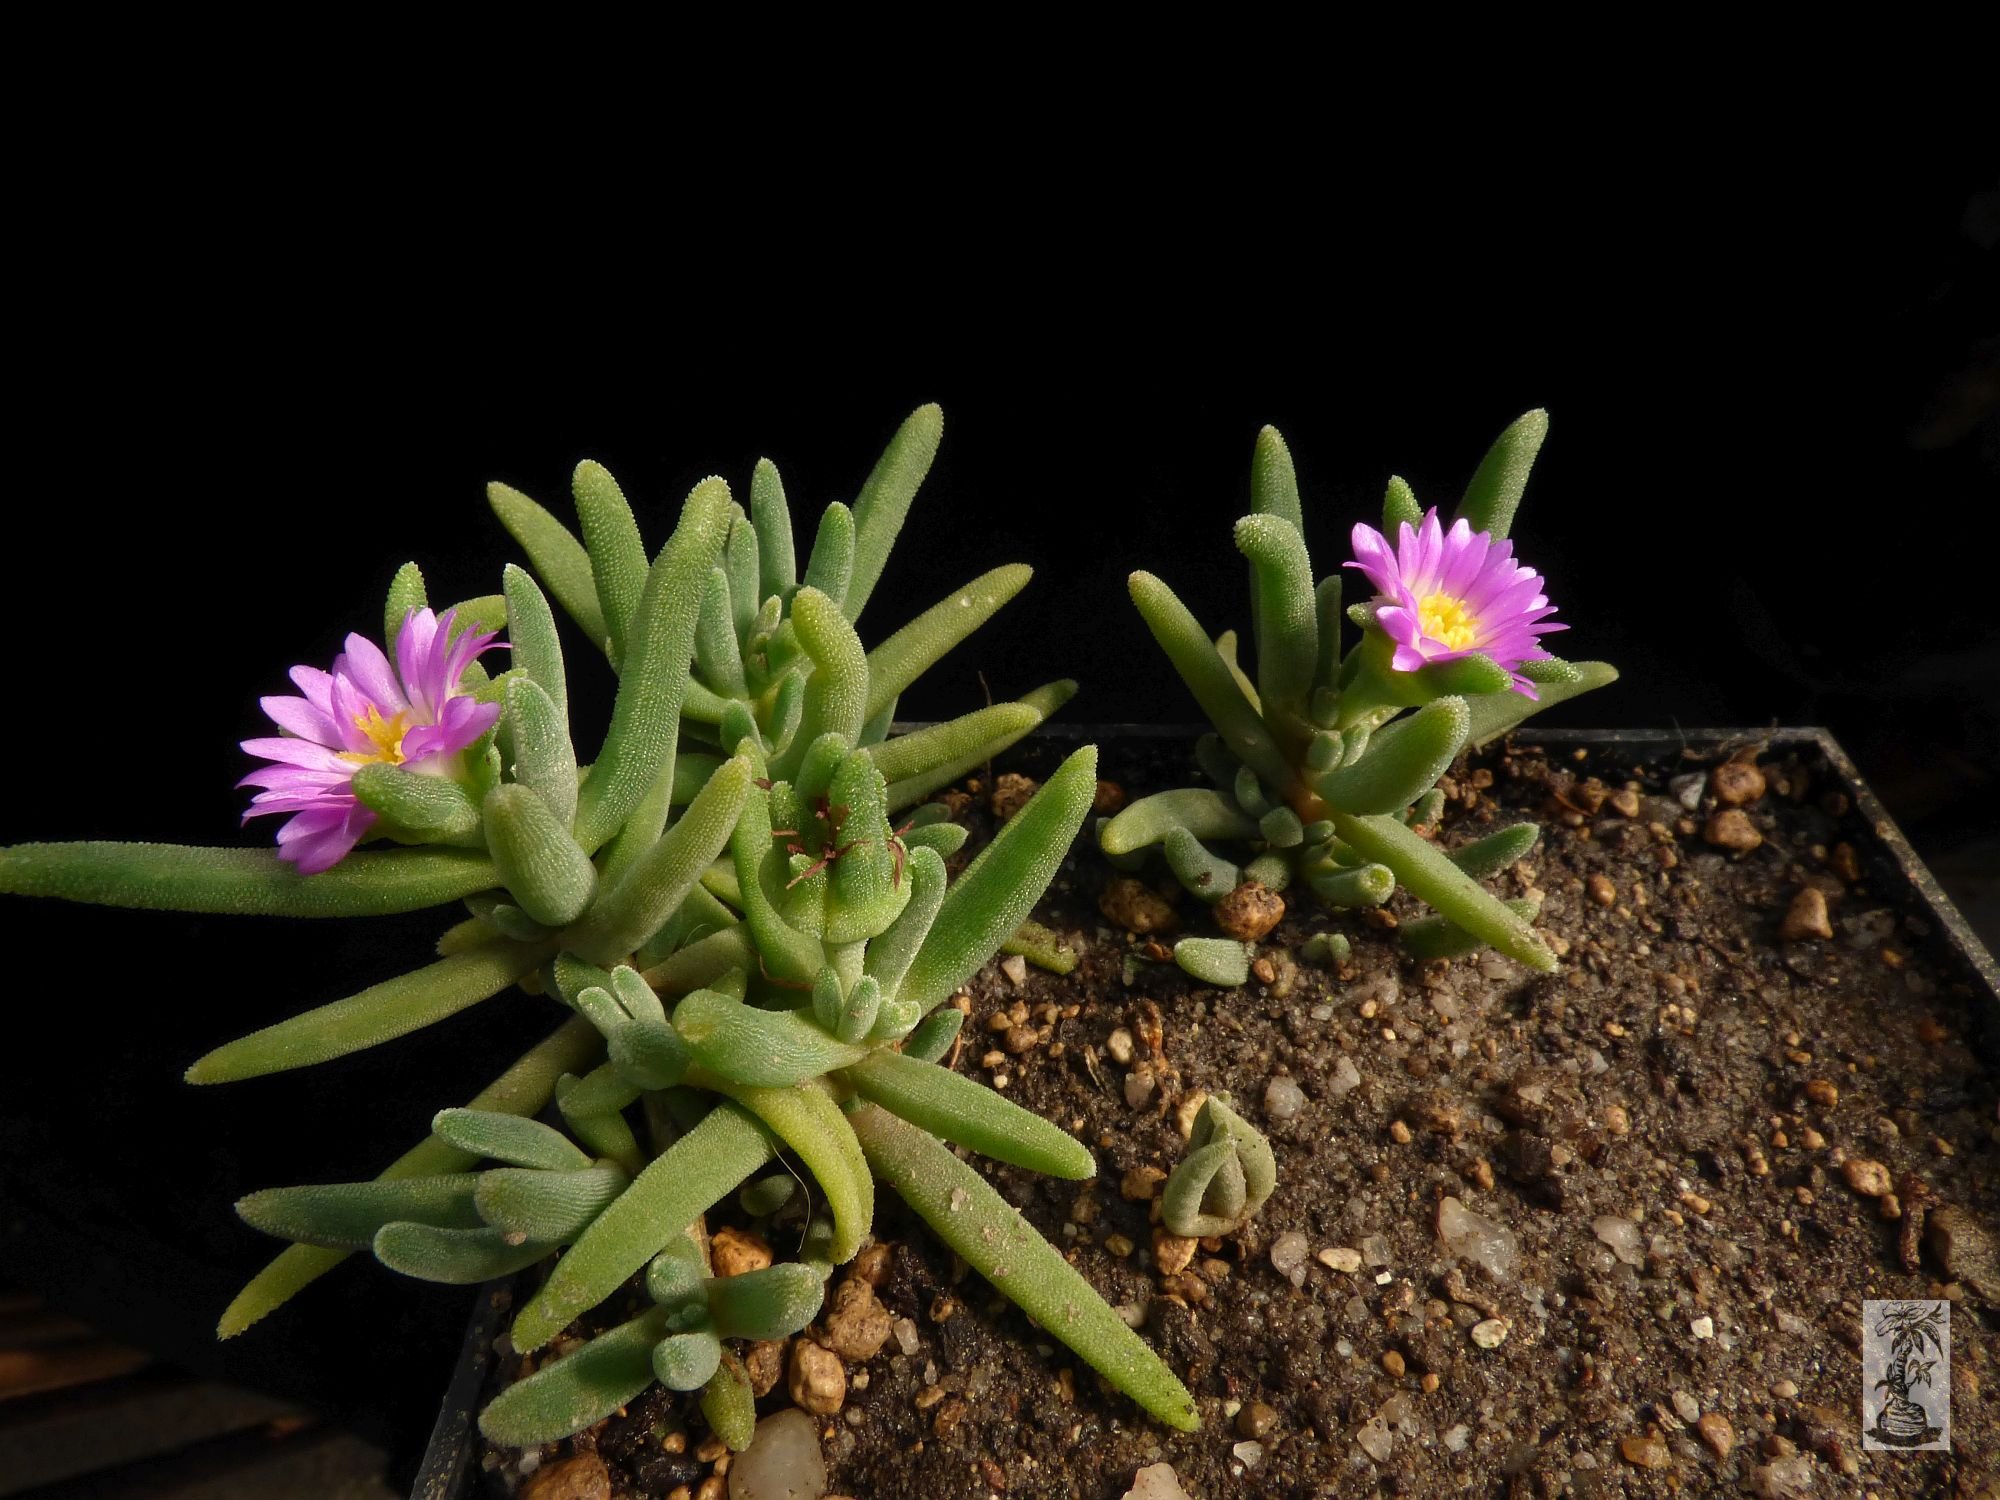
[1265, 971]
[1399, 1133]
[859, 1325]
[1249, 912]
[1188, 1109]
[1119, 1045]
[735, 1251]
[674, 1442]
[1172, 1253]
[949, 1415]
[928, 1397]
[1732, 829]
[999, 1021]
[1478, 1172]
[1846, 863]
[1811, 1139]
[1140, 1183]
[1340, 1258]
[712, 1448]
[1393, 1362]
[1602, 891]
[1625, 802]
[1011, 792]
[680, 1492]
[1784, 1390]
[1696, 1202]
[1015, 967]
[1430, 1382]
[1256, 1419]
[872, 1264]
[1822, 1092]
[1717, 1433]
[1136, 906]
[1021, 1039]
[1490, 1334]
[1737, 782]
[1806, 917]
[1118, 1244]
[1868, 1178]
[712, 1488]
[583, 1477]
[818, 1382]
[1891, 1206]
[1649, 1452]
[1108, 798]
[1616, 1120]
[764, 1363]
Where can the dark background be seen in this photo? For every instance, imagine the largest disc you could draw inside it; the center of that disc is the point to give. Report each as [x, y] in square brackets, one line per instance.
[1768, 496]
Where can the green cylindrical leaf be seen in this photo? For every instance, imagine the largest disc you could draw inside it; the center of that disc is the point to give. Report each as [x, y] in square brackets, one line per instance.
[1431, 876]
[759, 1048]
[241, 882]
[885, 500]
[954, 746]
[741, 563]
[346, 1215]
[1439, 937]
[551, 1208]
[617, 553]
[653, 676]
[549, 877]
[704, 961]
[577, 1390]
[1326, 669]
[836, 694]
[687, 1361]
[1204, 1195]
[1400, 508]
[1403, 762]
[406, 594]
[454, 1257]
[1205, 814]
[993, 1238]
[857, 1014]
[808, 1121]
[1207, 875]
[1222, 962]
[557, 555]
[832, 562]
[1495, 491]
[1366, 885]
[699, 1168]
[933, 1036]
[1002, 883]
[1041, 947]
[729, 1404]
[427, 808]
[1491, 717]
[491, 1135]
[1287, 619]
[955, 1108]
[773, 1303]
[919, 645]
[717, 654]
[378, 1014]
[782, 951]
[538, 736]
[591, 1107]
[660, 879]
[531, 629]
[1274, 483]
[773, 519]
[1194, 656]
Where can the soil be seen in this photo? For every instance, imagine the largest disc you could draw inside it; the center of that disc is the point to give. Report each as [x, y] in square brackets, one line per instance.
[1675, 1131]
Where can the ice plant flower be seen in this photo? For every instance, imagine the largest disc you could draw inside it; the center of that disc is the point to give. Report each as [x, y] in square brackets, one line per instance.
[1441, 595]
[365, 712]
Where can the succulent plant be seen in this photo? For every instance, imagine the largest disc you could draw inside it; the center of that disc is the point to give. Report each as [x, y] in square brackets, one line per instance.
[1324, 767]
[753, 950]
[1226, 1176]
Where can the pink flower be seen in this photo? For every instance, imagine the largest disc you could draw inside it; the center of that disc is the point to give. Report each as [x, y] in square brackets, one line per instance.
[1444, 594]
[364, 712]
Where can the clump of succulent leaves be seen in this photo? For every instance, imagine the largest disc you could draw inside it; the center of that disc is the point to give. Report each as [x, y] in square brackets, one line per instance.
[1227, 1175]
[1324, 766]
[742, 902]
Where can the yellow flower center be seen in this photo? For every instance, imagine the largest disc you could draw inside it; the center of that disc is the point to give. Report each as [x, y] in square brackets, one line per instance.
[1446, 620]
[385, 734]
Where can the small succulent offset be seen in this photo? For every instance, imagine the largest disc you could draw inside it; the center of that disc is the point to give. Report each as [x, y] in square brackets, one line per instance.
[1325, 766]
[1226, 1176]
[743, 901]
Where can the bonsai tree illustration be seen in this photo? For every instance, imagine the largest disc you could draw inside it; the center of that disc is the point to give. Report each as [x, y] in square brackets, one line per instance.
[1910, 1327]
